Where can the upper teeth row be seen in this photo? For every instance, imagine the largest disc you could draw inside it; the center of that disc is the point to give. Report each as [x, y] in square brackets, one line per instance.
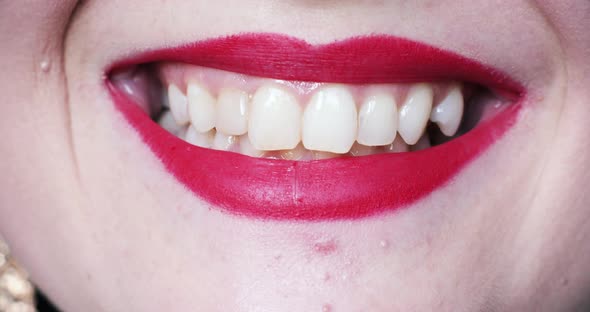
[274, 119]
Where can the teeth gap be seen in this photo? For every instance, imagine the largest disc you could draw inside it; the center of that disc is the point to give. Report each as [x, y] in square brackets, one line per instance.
[145, 84]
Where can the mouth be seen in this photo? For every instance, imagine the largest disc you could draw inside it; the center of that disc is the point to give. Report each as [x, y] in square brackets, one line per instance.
[270, 127]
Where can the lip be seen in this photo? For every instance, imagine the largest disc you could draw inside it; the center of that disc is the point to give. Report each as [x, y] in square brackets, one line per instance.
[339, 188]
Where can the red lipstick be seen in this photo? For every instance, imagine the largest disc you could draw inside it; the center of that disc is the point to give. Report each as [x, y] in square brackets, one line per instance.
[340, 188]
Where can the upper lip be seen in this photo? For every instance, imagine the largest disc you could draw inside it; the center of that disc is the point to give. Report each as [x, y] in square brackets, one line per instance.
[330, 189]
[364, 59]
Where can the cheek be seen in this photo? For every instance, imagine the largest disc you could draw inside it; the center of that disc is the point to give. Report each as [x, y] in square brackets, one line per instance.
[37, 184]
[36, 165]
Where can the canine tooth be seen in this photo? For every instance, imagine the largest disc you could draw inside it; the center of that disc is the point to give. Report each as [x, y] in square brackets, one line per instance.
[448, 113]
[248, 149]
[168, 123]
[232, 112]
[275, 119]
[201, 107]
[398, 146]
[362, 150]
[224, 142]
[178, 105]
[194, 137]
[294, 154]
[377, 120]
[330, 121]
[414, 114]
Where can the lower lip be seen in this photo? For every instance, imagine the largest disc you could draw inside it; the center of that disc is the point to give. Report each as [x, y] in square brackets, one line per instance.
[335, 189]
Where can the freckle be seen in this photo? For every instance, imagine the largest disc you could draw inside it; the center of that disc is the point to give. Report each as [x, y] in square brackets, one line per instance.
[327, 277]
[327, 308]
[278, 257]
[45, 66]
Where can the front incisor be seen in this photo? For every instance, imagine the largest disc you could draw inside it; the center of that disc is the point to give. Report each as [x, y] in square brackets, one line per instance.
[275, 119]
[330, 121]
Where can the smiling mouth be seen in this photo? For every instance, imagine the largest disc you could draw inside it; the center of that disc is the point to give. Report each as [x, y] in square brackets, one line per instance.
[268, 126]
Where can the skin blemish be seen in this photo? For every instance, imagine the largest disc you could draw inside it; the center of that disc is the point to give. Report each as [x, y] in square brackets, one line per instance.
[45, 66]
[275, 261]
[325, 248]
[327, 308]
[564, 282]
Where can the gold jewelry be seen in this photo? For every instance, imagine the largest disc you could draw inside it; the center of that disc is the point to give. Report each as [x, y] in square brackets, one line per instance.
[16, 292]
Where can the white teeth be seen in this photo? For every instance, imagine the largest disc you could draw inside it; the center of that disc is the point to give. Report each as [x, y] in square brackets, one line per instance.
[246, 147]
[274, 120]
[449, 112]
[377, 120]
[204, 140]
[178, 105]
[330, 121]
[169, 124]
[232, 112]
[224, 142]
[272, 123]
[414, 114]
[201, 107]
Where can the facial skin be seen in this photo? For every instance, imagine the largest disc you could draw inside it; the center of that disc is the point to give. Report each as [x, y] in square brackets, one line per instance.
[103, 227]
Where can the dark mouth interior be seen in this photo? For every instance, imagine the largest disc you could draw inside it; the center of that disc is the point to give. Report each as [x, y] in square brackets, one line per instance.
[481, 103]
